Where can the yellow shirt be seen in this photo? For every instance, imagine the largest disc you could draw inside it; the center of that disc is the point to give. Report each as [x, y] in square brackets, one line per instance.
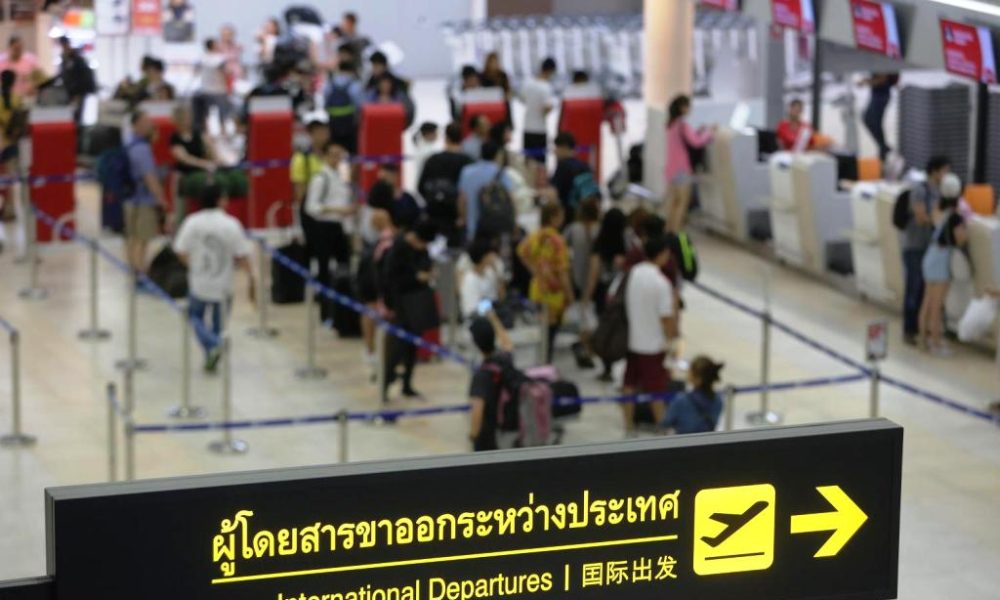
[304, 166]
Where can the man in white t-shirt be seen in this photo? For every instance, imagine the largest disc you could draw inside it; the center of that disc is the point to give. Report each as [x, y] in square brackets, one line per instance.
[211, 243]
[652, 329]
[214, 90]
[538, 103]
[330, 203]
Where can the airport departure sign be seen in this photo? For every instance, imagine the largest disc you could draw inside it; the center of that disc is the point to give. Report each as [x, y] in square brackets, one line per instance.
[789, 513]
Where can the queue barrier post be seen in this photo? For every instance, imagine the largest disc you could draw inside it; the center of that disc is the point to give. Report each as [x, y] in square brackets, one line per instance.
[111, 394]
[262, 330]
[132, 361]
[452, 304]
[343, 423]
[128, 391]
[310, 371]
[730, 398]
[129, 424]
[543, 334]
[185, 410]
[34, 291]
[94, 333]
[765, 416]
[380, 358]
[16, 438]
[228, 444]
[875, 376]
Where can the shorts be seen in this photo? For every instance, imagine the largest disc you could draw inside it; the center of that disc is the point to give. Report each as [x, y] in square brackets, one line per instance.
[536, 145]
[142, 221]
[937, 264]
[680, 179]
[645, 373]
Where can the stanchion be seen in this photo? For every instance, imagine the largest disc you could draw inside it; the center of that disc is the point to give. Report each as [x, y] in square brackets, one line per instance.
[128, 391]
[765, 416]
[129, 447]
[262, 330]
[876, 380]
[16, 438]
[343, 423]
[311, 371]
[543, 334]
[227, 445]
[132, 361]
[453, 302]
[94, 333]
[185, 410]
[730, 399]
[34, 291]
[112, 396]
[380, 359]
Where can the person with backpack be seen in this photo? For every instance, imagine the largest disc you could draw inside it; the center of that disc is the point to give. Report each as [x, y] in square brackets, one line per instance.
[607, 264]
[77, 77]
[329, 204]
[485, 180]
[486, 387]
[342, 100]
[438, 184]
[211, 243]
[573, 179]
[652, 330]
[913, 216]
[143, 199]
[950, 235]
[546, 256]
[697, 410]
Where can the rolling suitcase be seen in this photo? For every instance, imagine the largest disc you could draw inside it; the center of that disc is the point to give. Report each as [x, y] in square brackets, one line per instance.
[565, 389]
[345, 321]
[288, 287]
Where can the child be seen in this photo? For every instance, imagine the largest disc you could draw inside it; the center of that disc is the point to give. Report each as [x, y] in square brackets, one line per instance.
[697, 410]
[950, 235]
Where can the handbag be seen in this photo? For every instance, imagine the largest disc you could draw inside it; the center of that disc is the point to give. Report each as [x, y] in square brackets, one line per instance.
[978, 319]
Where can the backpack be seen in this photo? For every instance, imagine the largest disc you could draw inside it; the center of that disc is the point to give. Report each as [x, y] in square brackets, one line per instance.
[169, 273]
[114, 172]
[584, 187]
[610, 338]
[303, 14]
[684, 253]
[496, 208]
[524, 406]
[342, 110]
[441, 196]
[901, 214]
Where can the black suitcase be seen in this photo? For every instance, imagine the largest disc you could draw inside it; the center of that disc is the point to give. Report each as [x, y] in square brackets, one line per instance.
[345, 321]
[565, 389]
[288, 287]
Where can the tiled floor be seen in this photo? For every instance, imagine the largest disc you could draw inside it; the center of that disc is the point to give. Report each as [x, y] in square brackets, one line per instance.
[950, 526]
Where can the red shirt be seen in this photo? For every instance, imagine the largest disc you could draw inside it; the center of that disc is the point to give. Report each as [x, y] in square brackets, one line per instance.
[788, 133]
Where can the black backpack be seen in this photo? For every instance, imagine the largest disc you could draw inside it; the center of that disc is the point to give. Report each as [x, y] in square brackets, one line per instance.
[291, 50]
[496, 208]
[343, 113]
[441, 196]
[901, 214]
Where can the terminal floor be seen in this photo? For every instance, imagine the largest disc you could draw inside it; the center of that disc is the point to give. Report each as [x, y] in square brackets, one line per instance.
[950, 540]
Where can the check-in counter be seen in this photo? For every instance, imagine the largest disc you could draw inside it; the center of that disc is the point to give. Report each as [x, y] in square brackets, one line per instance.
[984, 251]
[875, 245]
[737, 186]
[810, 219]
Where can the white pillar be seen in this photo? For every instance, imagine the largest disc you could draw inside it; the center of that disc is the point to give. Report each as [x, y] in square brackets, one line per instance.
[667, 65]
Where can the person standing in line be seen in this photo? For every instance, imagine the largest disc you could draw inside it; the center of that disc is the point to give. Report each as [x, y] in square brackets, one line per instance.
[143, 207]
[342, 100]
[546, 256]
[438, 184]
[267, 39]
[916, 239]
[580, 236]
[950, 235]
[881, 85]
[473, 179]
[77, 76]
[539, 100]
[211, 243]
[681, 137]
[424, 146]
[407, 273]
[697, 410]
[305, 164]
[479, 134]
[652, 330]
[329, 204]
[382, 232]
[214, 90]
[492, 341]
[607, 263]
[230, 47]
[568, 169]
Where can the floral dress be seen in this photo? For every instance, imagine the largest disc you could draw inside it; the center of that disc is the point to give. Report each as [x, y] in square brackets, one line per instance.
[547, 256]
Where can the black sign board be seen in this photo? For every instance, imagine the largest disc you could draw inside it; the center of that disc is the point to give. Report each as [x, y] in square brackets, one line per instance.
[786, 513]
[39, 588]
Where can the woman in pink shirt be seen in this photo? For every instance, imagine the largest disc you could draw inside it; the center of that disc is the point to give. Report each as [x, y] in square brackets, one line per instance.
[680, 138]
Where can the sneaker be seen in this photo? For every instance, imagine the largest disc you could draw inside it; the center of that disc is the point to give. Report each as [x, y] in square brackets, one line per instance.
[212, 360]
[582, 360]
